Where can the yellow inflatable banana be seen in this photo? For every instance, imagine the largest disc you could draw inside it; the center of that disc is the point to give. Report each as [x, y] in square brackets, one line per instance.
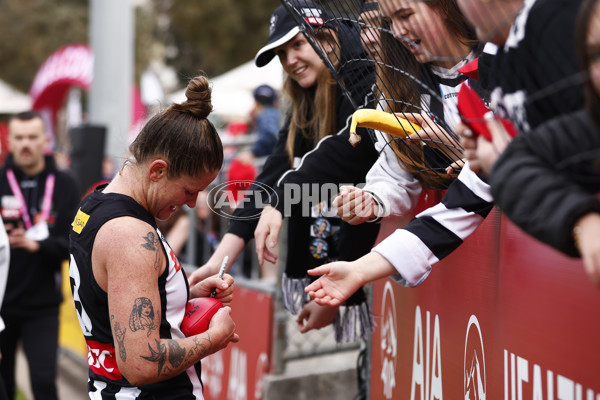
[381, 121]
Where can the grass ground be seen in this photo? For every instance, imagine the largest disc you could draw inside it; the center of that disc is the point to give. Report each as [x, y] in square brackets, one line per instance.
[20, 395]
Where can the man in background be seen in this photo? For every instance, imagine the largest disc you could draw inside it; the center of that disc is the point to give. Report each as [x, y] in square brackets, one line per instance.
[266, 114]
[37, 204]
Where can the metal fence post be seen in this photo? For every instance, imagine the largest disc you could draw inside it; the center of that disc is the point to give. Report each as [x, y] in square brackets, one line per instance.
[281, 315]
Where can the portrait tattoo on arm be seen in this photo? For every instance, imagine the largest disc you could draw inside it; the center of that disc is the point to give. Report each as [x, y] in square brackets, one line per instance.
[152, 243]
[142, 316]
[120, 337]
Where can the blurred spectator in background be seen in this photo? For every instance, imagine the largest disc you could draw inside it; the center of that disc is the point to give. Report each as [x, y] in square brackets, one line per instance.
[108, 169]
[266, 115]
[240, 177]
[62, 159]
[38, 205]
[315, 140]
[208, 228]
[547, 181]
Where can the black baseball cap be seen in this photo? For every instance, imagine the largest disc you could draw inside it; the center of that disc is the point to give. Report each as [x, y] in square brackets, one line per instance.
[265, 94]
[283, 27]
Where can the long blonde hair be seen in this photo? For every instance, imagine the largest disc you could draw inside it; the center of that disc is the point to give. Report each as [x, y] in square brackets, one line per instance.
[313, 110]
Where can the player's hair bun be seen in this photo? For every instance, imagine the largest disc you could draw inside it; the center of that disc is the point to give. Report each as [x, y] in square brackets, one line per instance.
[198, 95]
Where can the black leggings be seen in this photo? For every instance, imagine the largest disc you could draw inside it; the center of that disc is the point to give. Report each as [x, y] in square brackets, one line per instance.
[38, 331]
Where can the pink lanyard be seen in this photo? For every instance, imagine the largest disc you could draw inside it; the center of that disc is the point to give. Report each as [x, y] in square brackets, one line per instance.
[46, 203]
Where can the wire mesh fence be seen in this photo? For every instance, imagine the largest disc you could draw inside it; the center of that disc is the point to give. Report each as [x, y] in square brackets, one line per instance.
[419, 53]
[410, 59]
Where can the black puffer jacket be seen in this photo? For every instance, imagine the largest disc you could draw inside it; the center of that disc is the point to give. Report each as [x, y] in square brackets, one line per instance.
[547, 179]
[33, 278]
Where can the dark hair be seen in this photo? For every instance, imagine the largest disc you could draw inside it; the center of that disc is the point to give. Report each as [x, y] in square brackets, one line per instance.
[183, 135]
[456, 21]
[592, 98]
[400, 91]
[264, 100]
[265, 95]
[27, 116]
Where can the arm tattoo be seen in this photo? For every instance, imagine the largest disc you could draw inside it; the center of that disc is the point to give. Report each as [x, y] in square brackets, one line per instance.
[176, 353]
[158, 356]
[142, 315]
[153, 244]
[120, 336]
[200, 348]
[151, 241]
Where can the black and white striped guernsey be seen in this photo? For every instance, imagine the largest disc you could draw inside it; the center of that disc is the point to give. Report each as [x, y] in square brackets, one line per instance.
[529, 86]
[91, 303]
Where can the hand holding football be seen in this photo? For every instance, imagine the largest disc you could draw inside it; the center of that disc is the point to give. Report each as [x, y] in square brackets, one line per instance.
[198, 313]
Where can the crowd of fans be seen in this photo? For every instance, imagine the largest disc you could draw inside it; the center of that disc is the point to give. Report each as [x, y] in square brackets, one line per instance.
[534, 152]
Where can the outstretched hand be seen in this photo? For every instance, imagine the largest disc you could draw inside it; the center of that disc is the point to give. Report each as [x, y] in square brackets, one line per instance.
[200, 274]
[431, 133]
[338, 282]
[266, 234]
[315, 316]
[341, 279]
[481, 153]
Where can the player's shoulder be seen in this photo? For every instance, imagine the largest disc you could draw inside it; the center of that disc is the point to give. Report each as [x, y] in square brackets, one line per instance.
[120, 233]
[127, 249]
[126, 241]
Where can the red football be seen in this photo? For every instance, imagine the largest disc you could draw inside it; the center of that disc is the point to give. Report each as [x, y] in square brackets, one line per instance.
[198, 313]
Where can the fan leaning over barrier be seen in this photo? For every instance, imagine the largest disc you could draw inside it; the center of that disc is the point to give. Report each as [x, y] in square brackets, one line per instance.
[320, 154]
[417, 80]
[536, 79]
[416, 77]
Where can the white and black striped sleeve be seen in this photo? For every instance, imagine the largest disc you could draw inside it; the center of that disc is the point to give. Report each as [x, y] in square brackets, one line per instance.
[439, 230]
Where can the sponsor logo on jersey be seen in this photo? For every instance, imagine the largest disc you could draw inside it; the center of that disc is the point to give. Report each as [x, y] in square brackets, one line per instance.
[80, 220]
[102, 360]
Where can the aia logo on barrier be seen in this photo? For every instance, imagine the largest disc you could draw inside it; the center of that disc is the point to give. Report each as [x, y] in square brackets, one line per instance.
[388, 341]
[262, 366]
[224, 198]
[213, 370]
[474, 362]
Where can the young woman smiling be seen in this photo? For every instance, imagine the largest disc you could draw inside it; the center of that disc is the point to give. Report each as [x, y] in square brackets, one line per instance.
[312, 149]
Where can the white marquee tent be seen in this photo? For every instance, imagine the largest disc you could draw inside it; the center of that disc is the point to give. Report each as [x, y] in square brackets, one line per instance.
[232, 91]
[12, 101]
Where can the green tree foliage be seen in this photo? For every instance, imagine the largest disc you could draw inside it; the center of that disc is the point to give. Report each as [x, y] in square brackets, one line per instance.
[34, 29]
[191, 35]
[31, 30]
[217, 35]
[147, 44]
